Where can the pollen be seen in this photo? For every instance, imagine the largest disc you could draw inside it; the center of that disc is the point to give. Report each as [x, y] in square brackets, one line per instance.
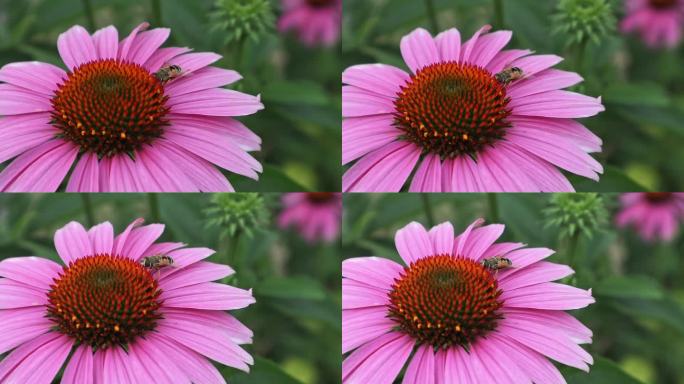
[452, 109]
[119, 296]
[456, 293]
[122, 101]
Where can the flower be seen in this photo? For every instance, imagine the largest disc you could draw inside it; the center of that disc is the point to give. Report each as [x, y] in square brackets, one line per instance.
[316, 215]
[468, 117]
[123, 321]
[125, 127]
[238, 20]
[317, 22]
[660, 22]
[237, 213]
[467, 321]
[654, 215]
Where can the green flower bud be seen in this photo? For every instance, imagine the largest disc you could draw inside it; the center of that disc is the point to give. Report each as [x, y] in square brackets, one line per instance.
[576, 213]
[238, 212]
[238, 20]
[584, 20]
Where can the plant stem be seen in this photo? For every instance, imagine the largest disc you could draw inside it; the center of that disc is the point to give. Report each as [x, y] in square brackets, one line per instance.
[581, 50]
[428, 209]
[499, 14]
[493, 207]
[432, 16]
[154, 207]
[156, 12]
[90, 15]
[88, 209]
[231, 249]
[572, 250]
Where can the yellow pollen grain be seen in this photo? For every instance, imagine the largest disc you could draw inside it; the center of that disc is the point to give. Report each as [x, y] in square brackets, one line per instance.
[415, 318]
[465, 137]
[73, 318]
[123, 135]
[457, 328]
[79, 125]
[116, 328]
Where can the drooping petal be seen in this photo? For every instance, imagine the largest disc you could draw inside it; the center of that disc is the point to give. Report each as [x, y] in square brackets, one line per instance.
[36, 361]
[356, 294]
[362, 135]
[357, 102]
[206, 78]
[16, 100]
[195, 366]
[211, 296]
[200, 272]
[33, 75]
[421, 369]
[40, 169]
[382, 79]
[383, 170]
[86, 175]
[548, 296]
[14, 294]
[363, 325]
[379, 361]
[428, 177]
[20, 325]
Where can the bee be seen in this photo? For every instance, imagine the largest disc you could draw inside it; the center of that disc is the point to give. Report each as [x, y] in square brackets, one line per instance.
[156, 261]
[508, 75]
[497, 262]
[168, 73]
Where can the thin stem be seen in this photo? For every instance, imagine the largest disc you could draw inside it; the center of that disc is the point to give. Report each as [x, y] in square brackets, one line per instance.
[90, 15]
[499, 14]
[493, 207]
[231, 249]
[573, 241]
[88, 209]
[432, 16]
[156, 12]
[581, 50]
[428, 209]
[154, 207]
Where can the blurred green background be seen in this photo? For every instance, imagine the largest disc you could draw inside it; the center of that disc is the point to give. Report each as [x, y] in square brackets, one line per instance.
[638, 317]
[299, 86]
[296, 317]
[642, 89]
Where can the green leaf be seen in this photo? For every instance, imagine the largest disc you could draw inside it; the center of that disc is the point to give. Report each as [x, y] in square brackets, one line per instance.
[603, 371]
[612, 180]
[666, 310]
[298, 287]
[640, 287]
[263, 371]
[271, 180]
[295, 92]
[639, 94]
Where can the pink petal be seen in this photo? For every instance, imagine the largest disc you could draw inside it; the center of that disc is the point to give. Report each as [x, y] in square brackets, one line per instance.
[146, 43]
[374, 271]
[206, 78]
[125, 45]
[40, 169]
[442, 238]
[522, 258]
[162, 248]
[76, 47]
[480, 239]
[36, 361]
[126, 175]
[462, 240]
[223, 322]
[491, 358]
[19, 133]
[539, 272]
[536, 366]
[381, 79]
[356, 294]
[379, 361]
[16, 100]
[548, 80]
[561, 104]
[145, 352]
[166, 173]
[458, 367]
[212, 296]
[361, 135]
[123, 368]
[548, 296]
[102, 238]
[419, 50]
[384, 170]
[34, 271]
[449, 45]
[221, 126]
[421, 369]
[507, 173]
[549, 128]
[413, 243]
[106, 42]
[459, 175]
[140, 239]
[202, 173]
[501, 249]
[33, 75]
[546, 177]
[467, 49]
[191, 62]
[200, 272]
[204, 341]
[358, 102]
[488, 46]
[428, 177]
[195, 366]
[120, 240]
[80, 368]
[503, 59]
[72, 242]
[18, 295]
[183, 258]
[363, 325]
[21, 325]
[85, 176]
[164, 56]
[532, 65]
[216, 102]
[559, 320]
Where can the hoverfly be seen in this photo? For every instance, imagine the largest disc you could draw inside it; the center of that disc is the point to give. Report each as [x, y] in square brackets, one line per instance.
[168, 73]
[156, 262]
[497, 262]
[509, 75]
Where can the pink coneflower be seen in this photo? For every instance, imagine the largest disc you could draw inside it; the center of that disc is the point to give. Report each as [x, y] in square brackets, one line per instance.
[655, 215]
[315, 215]
[125, 129]
[467, 321]
[124, 322]
[472, 126]
[315, 21]
[660, 22]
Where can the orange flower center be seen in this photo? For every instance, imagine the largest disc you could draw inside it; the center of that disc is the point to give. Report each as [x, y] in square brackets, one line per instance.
[445, 301]
[319, 3]
[452, 109]
[109, 107]
[104, 300]
[320, 197]
[663, 4]
[658, 197]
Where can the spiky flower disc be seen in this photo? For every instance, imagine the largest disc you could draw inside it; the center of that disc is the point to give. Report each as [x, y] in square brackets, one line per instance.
[445, 301]
[452, 109]
[109, 107]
